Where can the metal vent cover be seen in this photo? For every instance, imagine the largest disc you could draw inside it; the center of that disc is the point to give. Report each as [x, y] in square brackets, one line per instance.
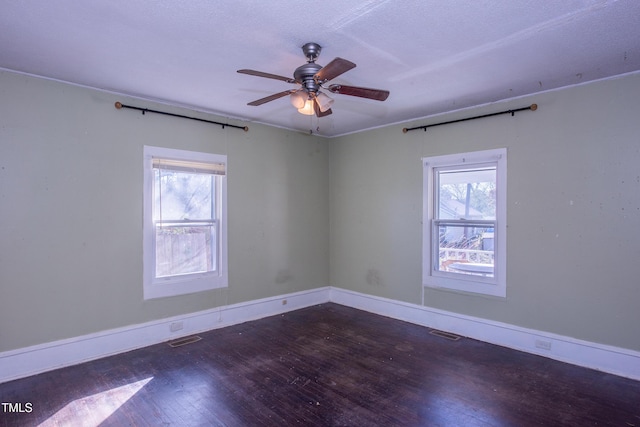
[443, 334]
[184, 341]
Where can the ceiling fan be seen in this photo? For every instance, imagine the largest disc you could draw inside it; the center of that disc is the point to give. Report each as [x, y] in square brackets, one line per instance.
[311, 77]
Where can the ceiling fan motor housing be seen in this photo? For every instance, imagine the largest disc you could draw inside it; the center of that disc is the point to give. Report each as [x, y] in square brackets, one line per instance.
[304, 74]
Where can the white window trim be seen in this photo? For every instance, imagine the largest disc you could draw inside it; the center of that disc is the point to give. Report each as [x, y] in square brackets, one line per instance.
[497, 286]
[176, 285]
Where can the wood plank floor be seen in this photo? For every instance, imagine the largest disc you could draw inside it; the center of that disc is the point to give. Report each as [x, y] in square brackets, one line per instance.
[326, 365]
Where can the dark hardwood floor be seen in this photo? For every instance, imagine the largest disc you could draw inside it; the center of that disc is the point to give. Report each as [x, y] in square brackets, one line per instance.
[327, 365]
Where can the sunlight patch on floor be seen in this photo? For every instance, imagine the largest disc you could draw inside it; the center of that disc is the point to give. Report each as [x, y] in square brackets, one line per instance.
[92, 410]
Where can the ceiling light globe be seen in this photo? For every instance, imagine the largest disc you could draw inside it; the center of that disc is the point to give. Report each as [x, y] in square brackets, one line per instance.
[307, 110]
[324, 102]
[298, 99]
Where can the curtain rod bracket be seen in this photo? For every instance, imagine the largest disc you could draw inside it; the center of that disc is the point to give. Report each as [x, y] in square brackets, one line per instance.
[119, 105]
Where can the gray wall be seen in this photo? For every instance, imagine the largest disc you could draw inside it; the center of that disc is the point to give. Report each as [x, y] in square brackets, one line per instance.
[573, 240]
[71, 210]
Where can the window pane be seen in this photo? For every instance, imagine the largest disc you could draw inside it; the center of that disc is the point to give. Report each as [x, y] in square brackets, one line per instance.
[467, 194]
[184, 249]
[466, 249]
[182, 195]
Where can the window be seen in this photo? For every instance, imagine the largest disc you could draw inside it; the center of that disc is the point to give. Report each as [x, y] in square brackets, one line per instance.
[185, 244]
[464, 224]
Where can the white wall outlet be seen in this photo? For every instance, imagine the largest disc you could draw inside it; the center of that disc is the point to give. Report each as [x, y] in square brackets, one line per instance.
[544, 345]
[176, 326]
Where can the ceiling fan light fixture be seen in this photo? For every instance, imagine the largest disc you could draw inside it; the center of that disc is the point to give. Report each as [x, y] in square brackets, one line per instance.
[298, 99]
[307, 109]
[310, 78]
[324, 102]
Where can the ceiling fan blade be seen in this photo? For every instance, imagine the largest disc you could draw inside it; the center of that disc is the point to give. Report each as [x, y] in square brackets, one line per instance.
[271, 97]
[362, 92]
[319, 113]
[333, 69]
[267, 75]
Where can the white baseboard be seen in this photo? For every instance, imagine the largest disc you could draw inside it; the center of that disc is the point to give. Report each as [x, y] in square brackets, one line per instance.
[40, 358]
[614, 360]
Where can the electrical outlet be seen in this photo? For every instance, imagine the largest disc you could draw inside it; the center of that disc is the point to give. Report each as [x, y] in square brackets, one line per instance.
[544, 345]
[176, 326]
[284, 302]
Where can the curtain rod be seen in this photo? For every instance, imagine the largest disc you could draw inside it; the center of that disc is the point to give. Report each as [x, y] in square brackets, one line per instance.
[532, 107]
[120, 105]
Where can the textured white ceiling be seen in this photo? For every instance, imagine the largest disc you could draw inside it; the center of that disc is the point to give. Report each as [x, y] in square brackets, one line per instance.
[433, 56]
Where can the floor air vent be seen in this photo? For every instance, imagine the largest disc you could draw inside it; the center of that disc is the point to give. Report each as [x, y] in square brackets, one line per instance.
[184, 341]
[443, 334]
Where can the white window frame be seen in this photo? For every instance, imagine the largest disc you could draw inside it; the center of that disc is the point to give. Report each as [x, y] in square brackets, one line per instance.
[431, 276]
[155, 287]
